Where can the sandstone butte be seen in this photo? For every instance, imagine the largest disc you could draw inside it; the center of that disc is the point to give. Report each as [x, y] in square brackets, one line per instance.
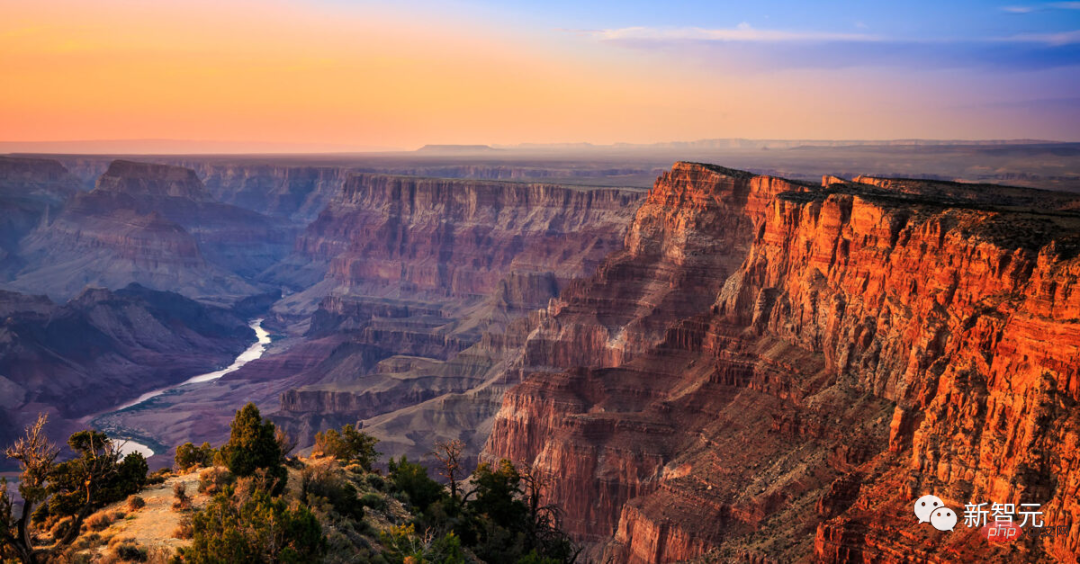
[772, 371]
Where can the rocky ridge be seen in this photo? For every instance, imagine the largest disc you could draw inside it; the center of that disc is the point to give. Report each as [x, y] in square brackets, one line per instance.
[870, 342]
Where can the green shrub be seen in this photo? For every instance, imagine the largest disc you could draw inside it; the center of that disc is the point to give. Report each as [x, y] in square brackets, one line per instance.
[322, 479]
[375, 482]
[374, 501]
[189, 456]
[348, 446]
[251, 526]
[252, 446]
[412, 480]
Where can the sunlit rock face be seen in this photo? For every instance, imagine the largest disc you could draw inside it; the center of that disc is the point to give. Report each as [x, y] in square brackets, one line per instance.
[872, 342]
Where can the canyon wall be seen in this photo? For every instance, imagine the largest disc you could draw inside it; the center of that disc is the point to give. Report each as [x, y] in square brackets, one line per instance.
[425, 277]
[29, 190]
[868, 343]
[156, 225]
[397, 235]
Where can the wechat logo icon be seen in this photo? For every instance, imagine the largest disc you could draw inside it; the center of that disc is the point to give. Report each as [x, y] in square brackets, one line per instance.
[930, 509]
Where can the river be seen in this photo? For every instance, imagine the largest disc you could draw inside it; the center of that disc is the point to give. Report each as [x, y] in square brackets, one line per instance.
[256, 350]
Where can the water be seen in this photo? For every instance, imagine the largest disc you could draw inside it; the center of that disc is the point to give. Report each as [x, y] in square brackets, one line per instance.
[253, 352]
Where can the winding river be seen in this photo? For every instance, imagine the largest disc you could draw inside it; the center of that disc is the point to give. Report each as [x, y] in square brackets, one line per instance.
[256, 350]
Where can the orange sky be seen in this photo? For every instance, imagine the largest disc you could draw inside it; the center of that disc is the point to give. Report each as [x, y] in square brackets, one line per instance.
[377, 78]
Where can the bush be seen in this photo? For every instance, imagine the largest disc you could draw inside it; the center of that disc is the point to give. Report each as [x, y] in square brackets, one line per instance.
[61, 527]
[158, 477]
[190, 456]
[130, 552]
[252, 446]
[412, 480]
[99, 521]
[183, 502]
[251, 526]
[322, 479]
[185, 529]
[214, 479]
[135, 503]
[375, 482]
[374, 501]
[348, 446]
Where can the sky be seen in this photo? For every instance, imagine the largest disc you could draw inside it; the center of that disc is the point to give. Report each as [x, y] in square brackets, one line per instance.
[372, 75]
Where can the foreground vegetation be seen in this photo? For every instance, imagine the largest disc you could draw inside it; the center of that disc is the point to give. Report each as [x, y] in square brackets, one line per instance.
[255, 504]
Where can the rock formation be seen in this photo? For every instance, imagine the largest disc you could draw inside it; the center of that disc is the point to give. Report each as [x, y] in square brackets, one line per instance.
[156, 225]
[423, 271]
[794, 365]
[30, 190]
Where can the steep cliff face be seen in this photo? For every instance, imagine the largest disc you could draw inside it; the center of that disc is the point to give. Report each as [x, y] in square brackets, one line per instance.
[29, 190]
[156, 225]
[295, 192]
[407, 236]
[427, 275]
[691, 232]
[876, 343]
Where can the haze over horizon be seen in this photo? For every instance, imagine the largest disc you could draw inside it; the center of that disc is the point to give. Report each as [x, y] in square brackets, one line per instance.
[358, 75]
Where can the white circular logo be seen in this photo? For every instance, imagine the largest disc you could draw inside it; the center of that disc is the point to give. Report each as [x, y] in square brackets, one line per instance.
[926, 505]
[943, 519]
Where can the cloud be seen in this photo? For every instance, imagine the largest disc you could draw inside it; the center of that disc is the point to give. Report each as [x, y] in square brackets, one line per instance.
[1041, 7]
[744, 32]
[1054, 39]
[748, 49]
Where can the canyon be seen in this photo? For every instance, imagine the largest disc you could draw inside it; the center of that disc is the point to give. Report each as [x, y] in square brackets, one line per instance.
[729, 366]
[102, 346]
[862, 343]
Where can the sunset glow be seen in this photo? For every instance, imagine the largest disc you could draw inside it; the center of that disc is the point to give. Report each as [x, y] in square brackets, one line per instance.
[340, 75]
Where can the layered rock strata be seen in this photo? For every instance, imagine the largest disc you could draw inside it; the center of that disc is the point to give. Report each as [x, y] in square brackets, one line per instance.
[873, 342]
[156, 225]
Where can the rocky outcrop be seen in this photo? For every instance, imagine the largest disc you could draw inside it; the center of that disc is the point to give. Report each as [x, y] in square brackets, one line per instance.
[137, 179]
[158, 226]
[872, 342]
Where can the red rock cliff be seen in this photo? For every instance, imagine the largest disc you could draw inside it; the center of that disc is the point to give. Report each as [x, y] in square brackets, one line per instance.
[874, 344]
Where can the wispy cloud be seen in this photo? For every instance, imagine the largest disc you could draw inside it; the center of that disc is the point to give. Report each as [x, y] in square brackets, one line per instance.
[744, 32]
[761, 50]
[1053, 38]
[1041, 7]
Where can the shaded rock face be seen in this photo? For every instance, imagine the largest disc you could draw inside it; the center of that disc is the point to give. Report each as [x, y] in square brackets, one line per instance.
[428, 277]
[389, 235]
[156, 225]
[152, 180]
[295, 192]
[30, 189]
[873, 343]
[103, 347]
